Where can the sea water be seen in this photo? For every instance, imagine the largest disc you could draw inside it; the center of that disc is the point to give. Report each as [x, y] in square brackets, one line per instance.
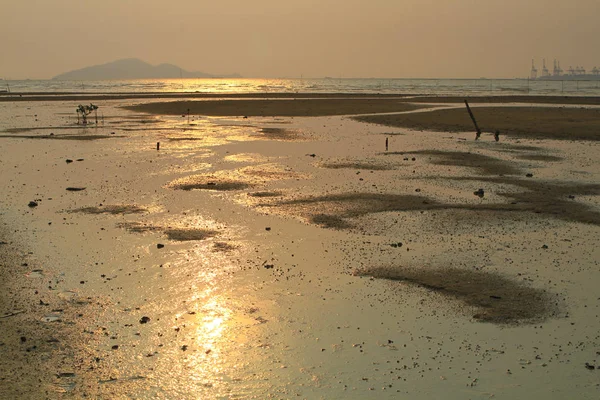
[448, 87]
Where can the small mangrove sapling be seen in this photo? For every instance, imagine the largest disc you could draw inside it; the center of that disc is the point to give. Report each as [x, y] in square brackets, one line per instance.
[84, 111]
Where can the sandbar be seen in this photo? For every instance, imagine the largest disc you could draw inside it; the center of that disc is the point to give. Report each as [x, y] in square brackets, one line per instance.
[524, 122]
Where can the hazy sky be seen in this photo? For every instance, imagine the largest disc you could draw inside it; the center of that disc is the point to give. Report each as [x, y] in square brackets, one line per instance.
[293, 38]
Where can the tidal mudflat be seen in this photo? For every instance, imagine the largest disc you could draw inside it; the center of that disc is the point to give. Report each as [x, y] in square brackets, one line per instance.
[280, 250]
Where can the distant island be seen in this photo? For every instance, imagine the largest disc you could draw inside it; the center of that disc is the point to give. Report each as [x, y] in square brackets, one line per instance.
[133, 68]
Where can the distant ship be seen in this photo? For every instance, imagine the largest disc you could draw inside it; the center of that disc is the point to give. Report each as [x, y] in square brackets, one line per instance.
[572, 74]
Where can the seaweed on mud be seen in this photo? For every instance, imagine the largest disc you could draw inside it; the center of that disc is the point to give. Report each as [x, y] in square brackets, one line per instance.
[223, 247]
[554, 199]
[187, 234]
[551, 199]
[112, 209]
[364, 165]
[265, 194]
[330, 221]
[209, 183]
[485, 164]
[350, 205]
[539, 157]
[498, 299]
[278, 134]
[176, 234]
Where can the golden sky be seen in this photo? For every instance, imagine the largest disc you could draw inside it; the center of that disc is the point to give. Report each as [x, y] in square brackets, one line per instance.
[309, 38]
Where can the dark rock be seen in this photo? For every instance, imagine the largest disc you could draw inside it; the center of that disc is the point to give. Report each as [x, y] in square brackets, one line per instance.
[23, 339]
[480, 193]
[69, 161]
[268, 228]
[160, 246]
[268, 266]
[184, 347]
[544, 246]
[115, 347]
[529, 175]
[32, 204]
[75, 189]
[144, 320]
[590, 366]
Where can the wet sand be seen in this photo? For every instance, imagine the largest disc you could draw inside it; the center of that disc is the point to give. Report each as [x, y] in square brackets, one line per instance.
[521, 122]
[447, 267]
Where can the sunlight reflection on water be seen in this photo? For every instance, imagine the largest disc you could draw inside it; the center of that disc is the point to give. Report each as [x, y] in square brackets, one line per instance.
[481, 86]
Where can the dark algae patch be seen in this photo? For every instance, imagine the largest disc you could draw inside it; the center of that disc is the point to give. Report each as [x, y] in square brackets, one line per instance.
[554, 199]
[187, 234]
[357, 164]
[278, 134]
[112, 209]
[209, 183]
[485, 164]
[176, 234]
[265, 194]
[560, 123]
[496, 298]
[358, 204]
[547, 198]
[330, 221]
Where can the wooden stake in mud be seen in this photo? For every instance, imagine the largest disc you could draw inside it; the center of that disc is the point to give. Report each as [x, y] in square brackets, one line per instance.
[157, 145]
[474, 122]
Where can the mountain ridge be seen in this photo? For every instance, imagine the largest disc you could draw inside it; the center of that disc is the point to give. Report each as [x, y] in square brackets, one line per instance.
[134, 68]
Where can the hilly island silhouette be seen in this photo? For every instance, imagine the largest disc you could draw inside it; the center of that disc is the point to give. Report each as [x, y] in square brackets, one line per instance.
[133, 68]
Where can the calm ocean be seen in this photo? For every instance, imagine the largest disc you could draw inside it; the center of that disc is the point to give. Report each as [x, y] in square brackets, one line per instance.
[326, 85]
